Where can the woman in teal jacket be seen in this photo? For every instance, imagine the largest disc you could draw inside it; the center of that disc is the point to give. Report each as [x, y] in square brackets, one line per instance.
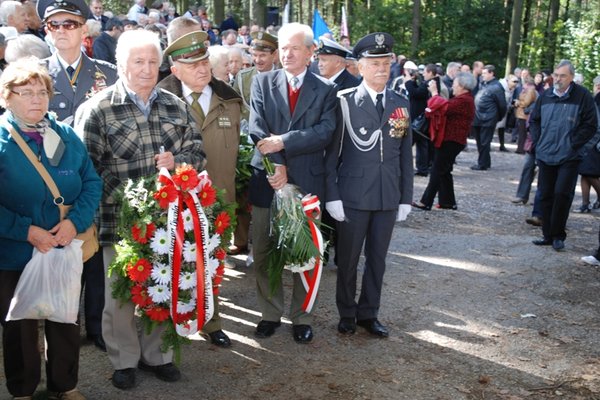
[29, 219]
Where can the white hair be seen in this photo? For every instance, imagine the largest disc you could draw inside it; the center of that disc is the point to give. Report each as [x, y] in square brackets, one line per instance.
[8, 8]
[26, 46]
[134, 39]
[295, 28]
[217, 54]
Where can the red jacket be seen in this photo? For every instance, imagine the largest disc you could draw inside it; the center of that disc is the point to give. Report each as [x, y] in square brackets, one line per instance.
[436, 113]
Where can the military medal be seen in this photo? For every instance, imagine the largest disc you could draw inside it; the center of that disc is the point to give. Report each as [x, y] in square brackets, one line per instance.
[398, 123]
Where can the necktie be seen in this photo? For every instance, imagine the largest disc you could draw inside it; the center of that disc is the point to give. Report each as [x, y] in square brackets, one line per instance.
[196, 104]
[294, 82]
[379, 104]
[70, 71]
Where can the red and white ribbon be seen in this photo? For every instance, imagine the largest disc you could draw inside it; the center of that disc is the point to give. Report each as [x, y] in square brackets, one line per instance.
[176, 232]
[312, 278]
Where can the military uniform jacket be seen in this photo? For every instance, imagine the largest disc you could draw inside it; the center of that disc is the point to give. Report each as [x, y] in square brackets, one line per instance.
[380, 178]
[346, 80]
[242, 84]
[305, 134]
[94, 76]
[220, 131]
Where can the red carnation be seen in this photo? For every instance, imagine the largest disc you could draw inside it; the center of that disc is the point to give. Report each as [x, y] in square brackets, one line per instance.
[220, 254]
[222, 222]
[165, 195]
[186, 177]
[140, 271]
[158, 314]
[142, 234]
[139, 295]
[208, 196]
[181, 318]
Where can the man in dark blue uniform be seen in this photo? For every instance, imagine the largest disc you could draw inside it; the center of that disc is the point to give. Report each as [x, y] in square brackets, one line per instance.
[369, 182]
[76, 78]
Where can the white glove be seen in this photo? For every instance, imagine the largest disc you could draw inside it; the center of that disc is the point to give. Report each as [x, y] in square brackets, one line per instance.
[336, 210]
[403, 211]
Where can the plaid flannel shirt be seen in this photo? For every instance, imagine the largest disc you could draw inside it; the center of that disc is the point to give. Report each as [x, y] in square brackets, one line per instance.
[122, 143]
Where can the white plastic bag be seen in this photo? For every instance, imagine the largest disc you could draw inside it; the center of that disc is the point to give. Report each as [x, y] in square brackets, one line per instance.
[50, 286]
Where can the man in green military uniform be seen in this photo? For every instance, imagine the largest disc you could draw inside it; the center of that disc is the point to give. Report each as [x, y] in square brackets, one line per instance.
[216, 108]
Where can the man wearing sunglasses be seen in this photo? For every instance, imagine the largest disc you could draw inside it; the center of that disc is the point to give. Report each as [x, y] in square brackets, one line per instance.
[76, 78]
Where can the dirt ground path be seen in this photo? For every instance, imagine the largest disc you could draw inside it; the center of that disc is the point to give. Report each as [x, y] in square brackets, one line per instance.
[475, 311]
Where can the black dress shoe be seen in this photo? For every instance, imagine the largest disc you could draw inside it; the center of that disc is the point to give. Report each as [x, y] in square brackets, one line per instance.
[558, 244]
[347, 326]
[302, 333]
[420, 206]
[264, 329]
[219, 338]
[476, 167]
[98, 341]
[542, 242]
[374, 327]
[124, 378]
[166, 372]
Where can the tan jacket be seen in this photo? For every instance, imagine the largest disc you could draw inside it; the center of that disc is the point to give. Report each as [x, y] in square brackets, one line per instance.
[525, 99]
[220, 132]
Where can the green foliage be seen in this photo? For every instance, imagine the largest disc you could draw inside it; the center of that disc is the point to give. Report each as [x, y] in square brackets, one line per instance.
[117, 7]
[581, 45]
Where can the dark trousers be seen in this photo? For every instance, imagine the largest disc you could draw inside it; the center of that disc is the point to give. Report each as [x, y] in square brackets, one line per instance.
[374, 230]
[483, 137]
[22, 360]
[440, 180]
[556, 184]
[423, 154]
[522, 134]
[329, 236]
[527, 177]
[92, 282]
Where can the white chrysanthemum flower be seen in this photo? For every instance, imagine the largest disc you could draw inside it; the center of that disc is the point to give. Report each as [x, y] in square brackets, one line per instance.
[159, 293]
[189, 252]
[213, 264]
[184, 308]
[161, 274]
[188, 222]
[213, 242]
[187, 280]
[160, 242]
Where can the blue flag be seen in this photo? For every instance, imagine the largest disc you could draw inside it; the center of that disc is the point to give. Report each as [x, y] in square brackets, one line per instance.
[319, 26]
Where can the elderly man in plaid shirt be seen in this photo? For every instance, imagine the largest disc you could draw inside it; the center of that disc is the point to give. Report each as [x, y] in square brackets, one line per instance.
[131, 130]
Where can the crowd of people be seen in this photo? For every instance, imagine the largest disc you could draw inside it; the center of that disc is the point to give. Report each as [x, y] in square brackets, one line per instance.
[125, 96]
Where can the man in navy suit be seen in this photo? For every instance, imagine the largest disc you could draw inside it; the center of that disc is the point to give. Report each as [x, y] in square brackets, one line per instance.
[332, 66]
[98, 13]
[369, 182]
[292, 120]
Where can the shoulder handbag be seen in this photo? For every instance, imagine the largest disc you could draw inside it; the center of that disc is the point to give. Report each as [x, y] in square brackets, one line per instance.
[90, 237]
[420, 125]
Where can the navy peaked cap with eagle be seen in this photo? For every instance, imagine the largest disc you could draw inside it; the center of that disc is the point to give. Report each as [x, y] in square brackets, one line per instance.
[378, 44]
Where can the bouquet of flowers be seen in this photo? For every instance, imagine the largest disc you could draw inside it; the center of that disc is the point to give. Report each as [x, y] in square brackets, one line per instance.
[170, 260]
[296, 240]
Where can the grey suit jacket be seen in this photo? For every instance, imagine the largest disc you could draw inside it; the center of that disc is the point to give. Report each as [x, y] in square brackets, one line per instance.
[378, 179]
[305, 134]
[94, 76]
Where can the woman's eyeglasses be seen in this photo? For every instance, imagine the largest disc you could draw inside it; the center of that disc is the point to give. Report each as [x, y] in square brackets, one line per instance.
[68, 24]
[30, 94]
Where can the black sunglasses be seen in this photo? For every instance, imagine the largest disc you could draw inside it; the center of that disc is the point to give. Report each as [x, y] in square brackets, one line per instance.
[68, 24]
